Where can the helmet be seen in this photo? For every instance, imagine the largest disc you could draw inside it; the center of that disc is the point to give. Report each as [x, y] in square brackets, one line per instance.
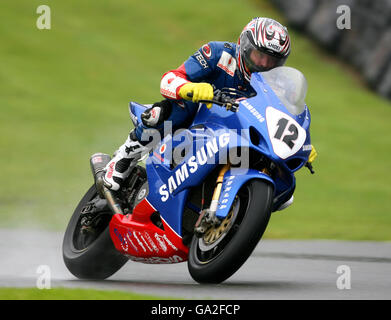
[263, 44]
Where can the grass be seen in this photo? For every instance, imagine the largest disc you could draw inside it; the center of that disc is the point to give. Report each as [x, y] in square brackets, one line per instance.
[64, 95]
[70, 294]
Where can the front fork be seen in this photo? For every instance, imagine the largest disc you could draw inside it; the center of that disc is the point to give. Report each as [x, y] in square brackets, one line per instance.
[208, 217]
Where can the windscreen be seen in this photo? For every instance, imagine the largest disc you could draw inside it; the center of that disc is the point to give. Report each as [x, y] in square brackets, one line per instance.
[290, 86]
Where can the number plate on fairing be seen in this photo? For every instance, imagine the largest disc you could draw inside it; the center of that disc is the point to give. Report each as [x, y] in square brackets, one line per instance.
[286, 135]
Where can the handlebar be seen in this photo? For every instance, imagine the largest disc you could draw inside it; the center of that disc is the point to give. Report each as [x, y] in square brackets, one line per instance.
[309, 166]
[221, 99]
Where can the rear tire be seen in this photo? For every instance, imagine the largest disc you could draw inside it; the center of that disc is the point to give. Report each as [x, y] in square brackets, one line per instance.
[96, 258]
[216, 262]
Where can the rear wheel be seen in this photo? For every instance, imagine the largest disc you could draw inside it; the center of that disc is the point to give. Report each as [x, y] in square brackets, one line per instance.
[222, 250]
[88, 250]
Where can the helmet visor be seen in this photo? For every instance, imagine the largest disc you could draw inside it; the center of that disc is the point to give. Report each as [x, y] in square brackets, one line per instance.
[257, 60]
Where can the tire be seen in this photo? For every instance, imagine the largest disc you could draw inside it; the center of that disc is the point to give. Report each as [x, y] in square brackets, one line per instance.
[97, 258]
[250, 212]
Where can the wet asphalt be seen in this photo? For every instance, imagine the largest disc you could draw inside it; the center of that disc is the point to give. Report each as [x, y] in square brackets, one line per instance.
[277, 270]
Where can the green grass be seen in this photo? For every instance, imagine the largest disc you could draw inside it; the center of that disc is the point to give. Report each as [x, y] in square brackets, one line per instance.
[64, 94]
[70, 294]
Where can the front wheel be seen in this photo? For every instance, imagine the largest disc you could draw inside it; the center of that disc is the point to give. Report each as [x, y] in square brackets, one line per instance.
[223, 250]
[89, 253]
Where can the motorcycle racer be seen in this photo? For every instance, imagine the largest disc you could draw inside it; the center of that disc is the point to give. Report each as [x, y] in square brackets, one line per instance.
[262, 45]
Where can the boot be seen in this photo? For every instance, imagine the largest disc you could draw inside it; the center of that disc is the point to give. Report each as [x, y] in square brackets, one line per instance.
[125, 159]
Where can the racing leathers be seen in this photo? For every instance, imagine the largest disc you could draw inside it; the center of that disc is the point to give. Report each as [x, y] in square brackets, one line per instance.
[215, 64]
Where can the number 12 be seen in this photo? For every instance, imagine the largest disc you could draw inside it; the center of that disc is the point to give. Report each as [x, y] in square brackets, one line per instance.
[287, 138]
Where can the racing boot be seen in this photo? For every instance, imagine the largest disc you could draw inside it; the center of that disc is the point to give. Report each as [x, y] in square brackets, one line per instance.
[125, 159]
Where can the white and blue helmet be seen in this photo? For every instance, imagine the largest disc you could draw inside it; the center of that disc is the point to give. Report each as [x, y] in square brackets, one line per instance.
[263, 45]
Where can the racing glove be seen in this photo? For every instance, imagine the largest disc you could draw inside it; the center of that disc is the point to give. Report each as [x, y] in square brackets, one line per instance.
[199, 91]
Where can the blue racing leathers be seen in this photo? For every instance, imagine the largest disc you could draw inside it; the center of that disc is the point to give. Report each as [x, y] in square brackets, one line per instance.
[214, 63]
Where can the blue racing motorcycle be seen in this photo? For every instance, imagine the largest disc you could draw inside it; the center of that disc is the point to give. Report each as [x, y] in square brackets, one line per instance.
[207, 192]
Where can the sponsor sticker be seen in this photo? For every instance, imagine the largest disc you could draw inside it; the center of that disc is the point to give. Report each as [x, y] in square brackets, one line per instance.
[253, 111]
[191, 166]
[227, 63]
[200, 58]
[157, 260]
[307, 147]
[163, 242]
[207, 51]
[146, 234]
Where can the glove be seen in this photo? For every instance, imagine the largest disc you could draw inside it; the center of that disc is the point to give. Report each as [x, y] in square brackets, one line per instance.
[313, 155]
[200, 91]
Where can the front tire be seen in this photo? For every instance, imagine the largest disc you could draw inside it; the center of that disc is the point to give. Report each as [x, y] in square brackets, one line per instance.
[91, 255]
[215, 257]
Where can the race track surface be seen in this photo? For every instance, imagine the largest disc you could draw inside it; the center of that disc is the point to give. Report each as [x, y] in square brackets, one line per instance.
[277, 269]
